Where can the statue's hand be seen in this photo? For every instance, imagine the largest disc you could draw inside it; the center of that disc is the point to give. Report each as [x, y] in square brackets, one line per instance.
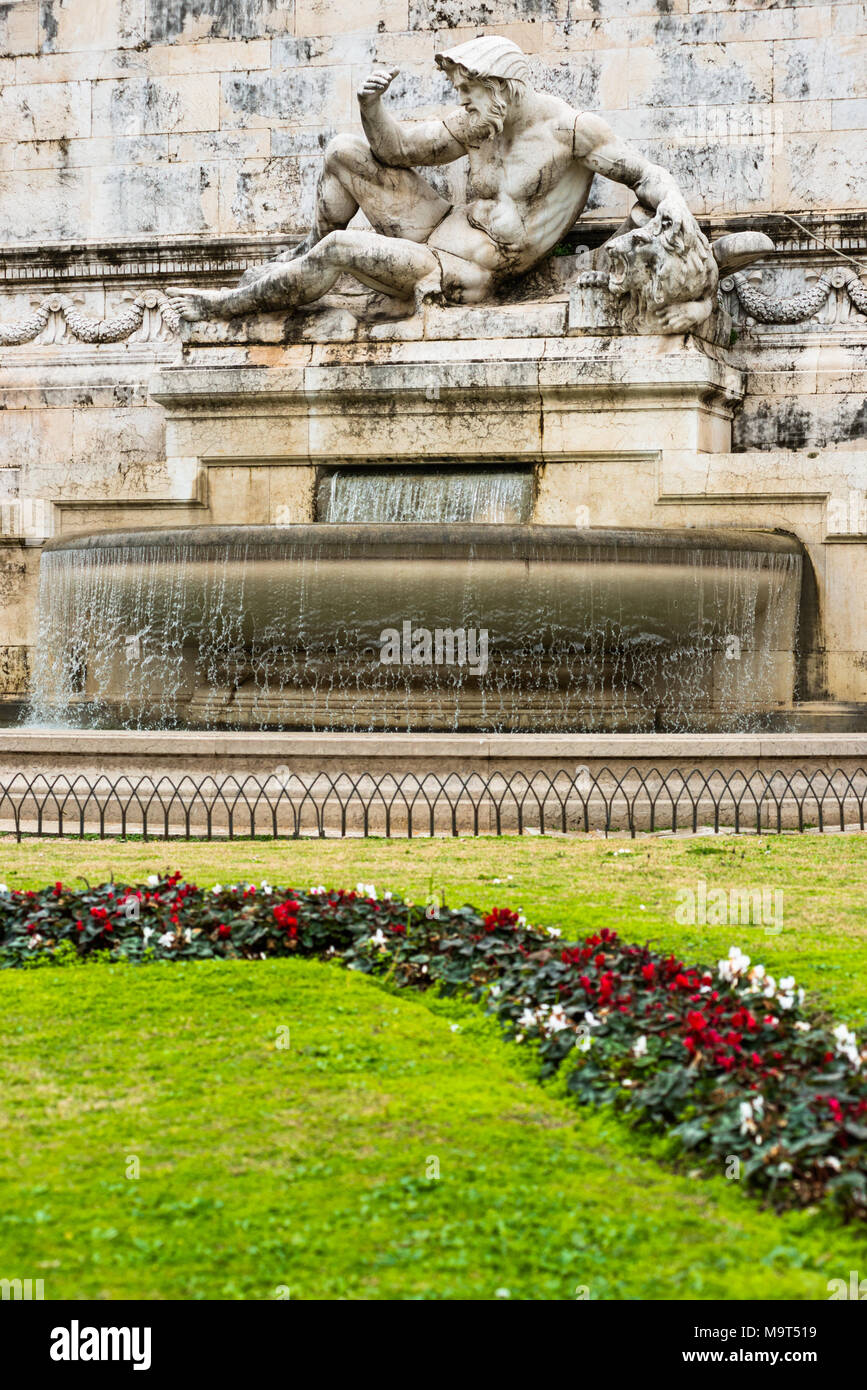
[673, 213]
[373, 86]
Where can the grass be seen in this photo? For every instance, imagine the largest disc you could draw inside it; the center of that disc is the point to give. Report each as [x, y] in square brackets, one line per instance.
[307, 1169]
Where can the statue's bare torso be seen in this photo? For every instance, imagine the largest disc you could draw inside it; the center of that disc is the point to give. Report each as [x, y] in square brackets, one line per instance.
[525, 188]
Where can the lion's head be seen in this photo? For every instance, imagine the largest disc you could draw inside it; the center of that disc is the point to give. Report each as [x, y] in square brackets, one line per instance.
[659, 265]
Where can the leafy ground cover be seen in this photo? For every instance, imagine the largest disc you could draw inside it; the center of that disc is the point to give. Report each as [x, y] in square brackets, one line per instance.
[266, 1170]
[727, 1060]
[579, 885]
[329, 1172]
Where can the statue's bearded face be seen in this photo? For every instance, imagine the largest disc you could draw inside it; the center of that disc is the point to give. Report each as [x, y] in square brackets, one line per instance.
[486, 98]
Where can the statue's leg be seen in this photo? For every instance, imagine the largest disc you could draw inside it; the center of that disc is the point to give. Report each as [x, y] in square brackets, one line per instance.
[396, 202]
[391, 265]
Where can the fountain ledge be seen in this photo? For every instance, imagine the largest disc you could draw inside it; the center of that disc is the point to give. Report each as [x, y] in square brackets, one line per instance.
[121, 753]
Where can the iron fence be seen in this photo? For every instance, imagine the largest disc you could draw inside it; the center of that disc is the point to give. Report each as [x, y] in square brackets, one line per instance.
[290, 805]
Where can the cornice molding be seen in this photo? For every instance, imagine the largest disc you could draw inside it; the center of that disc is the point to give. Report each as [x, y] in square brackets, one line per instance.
[201, 257]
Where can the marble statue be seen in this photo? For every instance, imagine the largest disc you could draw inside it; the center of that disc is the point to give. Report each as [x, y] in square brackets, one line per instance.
[532, 159]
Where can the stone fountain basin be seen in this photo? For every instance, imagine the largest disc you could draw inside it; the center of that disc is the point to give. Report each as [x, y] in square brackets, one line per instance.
[311, 584]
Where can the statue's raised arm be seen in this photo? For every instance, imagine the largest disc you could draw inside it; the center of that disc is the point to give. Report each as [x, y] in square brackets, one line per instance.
[402, 144]
[532, 159]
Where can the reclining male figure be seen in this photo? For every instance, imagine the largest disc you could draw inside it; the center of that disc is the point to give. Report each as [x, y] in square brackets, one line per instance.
[532, 159]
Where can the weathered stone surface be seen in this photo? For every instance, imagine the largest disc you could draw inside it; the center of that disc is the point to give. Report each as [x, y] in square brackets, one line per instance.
[717, 80]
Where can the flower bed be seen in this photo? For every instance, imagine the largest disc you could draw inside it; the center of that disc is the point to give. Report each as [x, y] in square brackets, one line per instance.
[726, 1060]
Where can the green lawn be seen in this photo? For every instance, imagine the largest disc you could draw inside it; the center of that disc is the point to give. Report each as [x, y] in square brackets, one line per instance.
[305, 1168]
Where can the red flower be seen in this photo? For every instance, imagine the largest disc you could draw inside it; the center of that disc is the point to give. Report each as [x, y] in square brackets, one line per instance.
[696, 1021]
[225, 931]
[648, 972]
[284, 914]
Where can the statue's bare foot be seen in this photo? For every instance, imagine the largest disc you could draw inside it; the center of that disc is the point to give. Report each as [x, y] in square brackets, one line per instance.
[196, 304]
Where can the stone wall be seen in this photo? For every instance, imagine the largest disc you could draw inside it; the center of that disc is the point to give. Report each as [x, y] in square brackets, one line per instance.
[152, 143]
[130, 118]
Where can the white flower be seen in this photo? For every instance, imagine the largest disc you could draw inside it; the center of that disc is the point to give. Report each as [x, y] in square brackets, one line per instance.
[585, 1043]
[770, 988]
[217, 888]
[639, 1047]
[757, 972]
[751, 1114]
[35, 940]
[378, 938]
[801, 1026]
[641, 907]
[454, 1027]
[554, 931]
[266, 888]
[788, 984]
[502, 1293]
[386, 897]
[3, 888]
[317, 892]
[495, 991]
[527, 1019]
[833, 1163]
[784, 1169]
[847, 1045]
[146, 932]
[785, 1001]
[188, 936]
[591, 1021]
[366, 890]
[166, 939]
[153, 880]
[736, 964]
[557, 1020]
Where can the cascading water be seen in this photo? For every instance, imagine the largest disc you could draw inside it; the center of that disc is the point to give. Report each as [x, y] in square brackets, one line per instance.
[449, 495]
[378, 626]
